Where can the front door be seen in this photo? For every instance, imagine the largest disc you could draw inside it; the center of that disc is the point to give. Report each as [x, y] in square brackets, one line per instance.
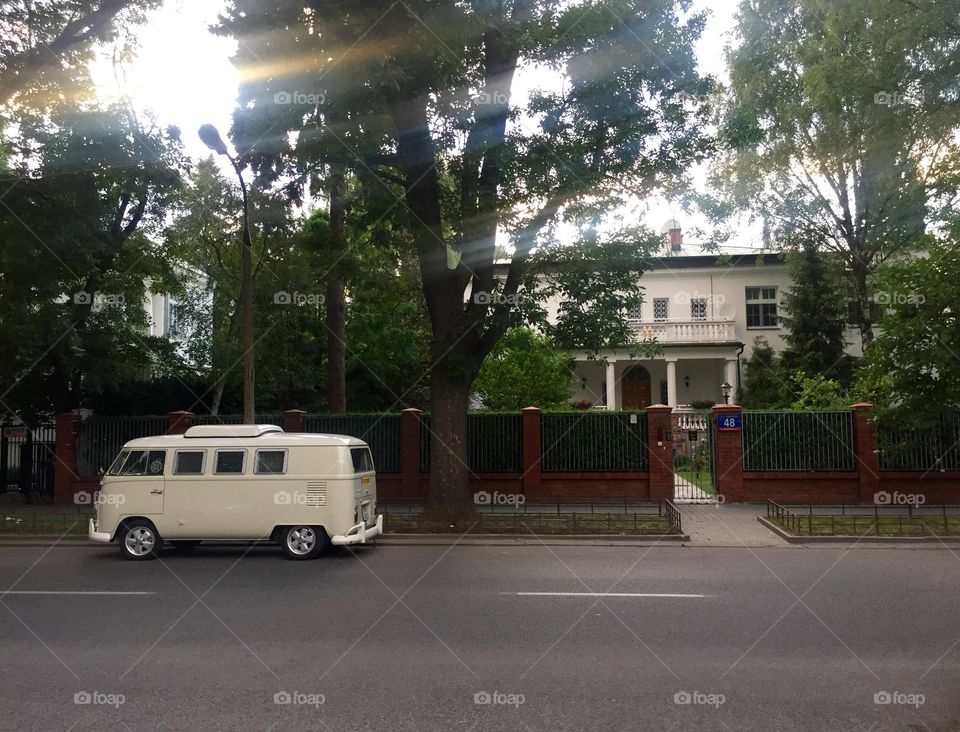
[635, 388]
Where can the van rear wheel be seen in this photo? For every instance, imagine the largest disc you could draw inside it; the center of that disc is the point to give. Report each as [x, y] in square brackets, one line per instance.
[139, 540]
[303, 542]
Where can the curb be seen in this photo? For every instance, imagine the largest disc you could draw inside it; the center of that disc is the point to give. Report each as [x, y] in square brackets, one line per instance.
[856, 539]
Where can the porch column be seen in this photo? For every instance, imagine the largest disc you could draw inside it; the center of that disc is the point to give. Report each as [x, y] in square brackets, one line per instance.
[611, 384]
[672, 382]
[730, 376]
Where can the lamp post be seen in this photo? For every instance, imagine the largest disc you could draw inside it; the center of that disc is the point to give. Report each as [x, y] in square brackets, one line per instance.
[726, 389]
[211, 138]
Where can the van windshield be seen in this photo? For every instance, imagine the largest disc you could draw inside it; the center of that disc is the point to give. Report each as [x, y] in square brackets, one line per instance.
[118, 463]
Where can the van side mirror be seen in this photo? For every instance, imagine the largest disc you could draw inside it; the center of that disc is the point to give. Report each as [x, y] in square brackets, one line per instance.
[100, 472]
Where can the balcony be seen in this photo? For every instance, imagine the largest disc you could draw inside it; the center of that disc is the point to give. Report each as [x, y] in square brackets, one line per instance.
[709, 330]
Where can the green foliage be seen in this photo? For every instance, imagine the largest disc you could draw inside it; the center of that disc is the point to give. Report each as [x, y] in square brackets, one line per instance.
[763, 383]
[816, 392]
[525, 369]
[911, 371]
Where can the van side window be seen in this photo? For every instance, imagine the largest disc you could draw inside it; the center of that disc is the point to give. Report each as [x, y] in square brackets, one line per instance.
[271, 462]
[189, 462]
[144, 462]
[362, 459]
[230, 462]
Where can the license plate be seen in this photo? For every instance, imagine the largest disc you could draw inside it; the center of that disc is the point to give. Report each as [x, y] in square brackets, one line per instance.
[364, 512]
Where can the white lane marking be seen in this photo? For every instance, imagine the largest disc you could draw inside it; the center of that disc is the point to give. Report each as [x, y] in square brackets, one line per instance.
[601, 594]
[70, 592]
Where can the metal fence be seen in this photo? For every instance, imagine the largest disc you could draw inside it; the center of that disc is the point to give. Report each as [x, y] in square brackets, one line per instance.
[101, 438]
[494, 443]
[594, 442]
[936, 448]
[380, 431]
[27, 459]
[795, 441]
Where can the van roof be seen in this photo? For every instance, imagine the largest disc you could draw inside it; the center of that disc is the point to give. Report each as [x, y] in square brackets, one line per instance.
[231, 430]
[269, 439]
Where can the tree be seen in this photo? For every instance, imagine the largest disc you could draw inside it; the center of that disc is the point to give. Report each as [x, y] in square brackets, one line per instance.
[525, 369]
[85, 193]
[763, 384]
[422, 97]
[911, 370]
[836, 128]
[815, 319]
[43, 37]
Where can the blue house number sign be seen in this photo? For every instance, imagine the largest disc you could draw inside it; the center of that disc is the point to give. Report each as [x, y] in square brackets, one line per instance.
[728, 421]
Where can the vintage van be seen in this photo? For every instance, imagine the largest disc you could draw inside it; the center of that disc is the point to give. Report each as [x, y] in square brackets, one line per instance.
[238, 483]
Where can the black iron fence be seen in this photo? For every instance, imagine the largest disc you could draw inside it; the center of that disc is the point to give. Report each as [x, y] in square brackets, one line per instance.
[101, 438]
[594, 442]
[380, 431]
[27, 460]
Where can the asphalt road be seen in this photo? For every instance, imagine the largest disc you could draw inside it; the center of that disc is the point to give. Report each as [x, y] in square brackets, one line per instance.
[414, 637]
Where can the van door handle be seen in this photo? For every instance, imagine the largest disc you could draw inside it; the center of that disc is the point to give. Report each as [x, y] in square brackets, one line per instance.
[157, 491]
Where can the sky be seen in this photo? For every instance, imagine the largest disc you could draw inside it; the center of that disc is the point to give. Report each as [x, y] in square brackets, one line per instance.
[183, 75]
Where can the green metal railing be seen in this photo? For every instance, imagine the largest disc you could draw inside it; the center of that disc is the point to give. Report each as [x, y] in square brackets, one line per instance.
[936, 448]
[594, 442]
[380, 431]
[798, 441]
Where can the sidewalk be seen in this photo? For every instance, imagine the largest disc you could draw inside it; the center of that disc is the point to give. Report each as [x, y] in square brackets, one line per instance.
[733, 525]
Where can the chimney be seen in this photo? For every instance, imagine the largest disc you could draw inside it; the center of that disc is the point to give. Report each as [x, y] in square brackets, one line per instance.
[675, 237]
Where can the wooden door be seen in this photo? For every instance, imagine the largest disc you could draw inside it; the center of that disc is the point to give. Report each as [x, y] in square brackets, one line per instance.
[635, 388]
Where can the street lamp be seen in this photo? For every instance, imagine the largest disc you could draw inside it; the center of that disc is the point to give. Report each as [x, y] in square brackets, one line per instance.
[211, 138]
[726, 389]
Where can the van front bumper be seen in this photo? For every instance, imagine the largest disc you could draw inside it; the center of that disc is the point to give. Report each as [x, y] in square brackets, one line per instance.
[359, 534]
[94, 535]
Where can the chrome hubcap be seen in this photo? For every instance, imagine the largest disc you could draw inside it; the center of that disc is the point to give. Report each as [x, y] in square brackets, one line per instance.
[301, 539]
[139, 541]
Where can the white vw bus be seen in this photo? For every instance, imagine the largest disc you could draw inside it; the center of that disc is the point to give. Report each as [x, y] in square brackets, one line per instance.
[238, 483]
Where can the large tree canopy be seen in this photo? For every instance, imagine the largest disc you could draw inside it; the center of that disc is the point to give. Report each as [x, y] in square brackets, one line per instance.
[418, 99]
[840, 115]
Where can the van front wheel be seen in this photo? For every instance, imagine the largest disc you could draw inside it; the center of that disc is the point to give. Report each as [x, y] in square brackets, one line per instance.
[139, 540]
[303, 542]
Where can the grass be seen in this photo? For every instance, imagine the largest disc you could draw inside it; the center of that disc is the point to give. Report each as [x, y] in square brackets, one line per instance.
[868, 525]
[30, 520]
[545, 523]
[704, 482]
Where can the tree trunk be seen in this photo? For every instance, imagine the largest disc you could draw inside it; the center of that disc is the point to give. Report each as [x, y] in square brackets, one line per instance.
[864, 303]
[336, 308]
[450, 499]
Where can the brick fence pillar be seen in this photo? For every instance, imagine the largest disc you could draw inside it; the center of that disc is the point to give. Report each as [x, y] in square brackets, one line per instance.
[868, 459]
[410, 452]
[728, 456]
[65, 470]
[660, 451]
[179, 422]
[532, 450]
[293, 420]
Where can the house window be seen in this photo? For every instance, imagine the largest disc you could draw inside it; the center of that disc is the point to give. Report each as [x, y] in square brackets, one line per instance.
[698, 308]
[762, 307]
[661, 308]
[635, 313]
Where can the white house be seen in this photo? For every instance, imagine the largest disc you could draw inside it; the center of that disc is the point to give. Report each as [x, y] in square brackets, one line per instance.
[705, 311]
